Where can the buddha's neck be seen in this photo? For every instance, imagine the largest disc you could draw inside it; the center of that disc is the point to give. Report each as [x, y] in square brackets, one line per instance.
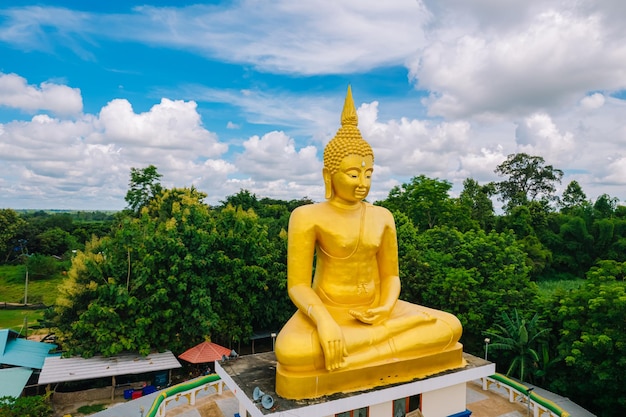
[345, 206]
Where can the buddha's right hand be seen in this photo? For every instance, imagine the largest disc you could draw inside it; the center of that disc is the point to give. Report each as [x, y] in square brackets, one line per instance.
[333, 344]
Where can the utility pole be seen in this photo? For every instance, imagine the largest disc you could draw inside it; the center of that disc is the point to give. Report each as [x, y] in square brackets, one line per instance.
[25, 256]
[26, 286]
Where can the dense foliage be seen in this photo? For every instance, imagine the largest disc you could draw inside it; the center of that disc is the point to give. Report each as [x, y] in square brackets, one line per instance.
[33, 406]
[475, 275]
[170, 271]
[170, 277]
[591, 325]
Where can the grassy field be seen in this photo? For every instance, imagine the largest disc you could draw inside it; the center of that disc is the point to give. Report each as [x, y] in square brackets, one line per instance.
[547, 288]
[12, 279]
[14, 319]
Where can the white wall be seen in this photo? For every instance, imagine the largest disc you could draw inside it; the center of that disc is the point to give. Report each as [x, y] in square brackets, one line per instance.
[381, 410]
[445, 401]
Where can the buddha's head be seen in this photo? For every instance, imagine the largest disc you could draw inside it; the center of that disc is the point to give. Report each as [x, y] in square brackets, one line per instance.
[348, 144]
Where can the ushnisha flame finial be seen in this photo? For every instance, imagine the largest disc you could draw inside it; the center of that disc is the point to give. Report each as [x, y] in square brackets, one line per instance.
[348, 139]
[348, 115]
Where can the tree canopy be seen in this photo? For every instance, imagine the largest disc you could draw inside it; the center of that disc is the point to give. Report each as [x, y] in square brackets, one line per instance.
[592, 331]
[143, 185]
[474, 275]
[528, 179]
[171, 277]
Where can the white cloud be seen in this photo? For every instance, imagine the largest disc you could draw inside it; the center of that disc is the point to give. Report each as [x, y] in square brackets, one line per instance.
[90, 157]
[538, 76]
[172, 125]
[411, 147]
[538, 135]
[58, 99]
[593, 101]
[310, 37]
[274, 157]
[548, 58]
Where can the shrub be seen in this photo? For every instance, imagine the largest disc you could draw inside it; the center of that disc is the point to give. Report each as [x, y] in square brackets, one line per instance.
[41, 266]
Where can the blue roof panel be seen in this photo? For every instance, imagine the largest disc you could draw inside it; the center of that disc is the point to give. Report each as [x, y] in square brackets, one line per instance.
[13, 381]
[5, 336]
[23, 352]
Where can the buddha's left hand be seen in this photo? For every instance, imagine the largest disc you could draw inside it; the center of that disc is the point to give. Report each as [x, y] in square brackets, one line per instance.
[371, 315]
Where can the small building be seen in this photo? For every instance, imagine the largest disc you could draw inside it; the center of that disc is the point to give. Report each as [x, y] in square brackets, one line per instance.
[21, 360]
[59, 369]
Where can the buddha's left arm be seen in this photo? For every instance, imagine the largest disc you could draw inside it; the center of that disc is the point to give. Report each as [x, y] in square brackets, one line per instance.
[387, 258]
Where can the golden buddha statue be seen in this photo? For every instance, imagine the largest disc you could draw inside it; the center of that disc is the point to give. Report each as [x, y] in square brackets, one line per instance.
[351, 331]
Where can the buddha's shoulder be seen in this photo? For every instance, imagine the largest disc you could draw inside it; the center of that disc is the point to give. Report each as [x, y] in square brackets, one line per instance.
[379, 211]
[305, 215]
[307, 209]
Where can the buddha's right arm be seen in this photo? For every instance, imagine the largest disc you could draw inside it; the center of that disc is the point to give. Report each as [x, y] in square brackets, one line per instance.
[309, 303]
[300, 251]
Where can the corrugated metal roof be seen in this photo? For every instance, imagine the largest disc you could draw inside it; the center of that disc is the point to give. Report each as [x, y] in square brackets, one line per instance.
[13, 381]
[22, 352]
[59, 369]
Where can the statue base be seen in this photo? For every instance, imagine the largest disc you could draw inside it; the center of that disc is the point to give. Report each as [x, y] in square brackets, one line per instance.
[313, 384]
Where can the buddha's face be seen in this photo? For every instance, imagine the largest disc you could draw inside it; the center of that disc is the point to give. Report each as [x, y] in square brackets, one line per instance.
[351, 183]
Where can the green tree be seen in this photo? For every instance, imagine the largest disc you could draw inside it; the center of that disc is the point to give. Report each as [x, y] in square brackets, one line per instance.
[144, 185]
[247, 275]
[424, 200]
[574, 198]
[10, 223]
[605, 206]
[31, 406]
[523, 221]
[576, 250]
[243, 199]
[593, 340]
[520, 338]
[474, 275]
[41, 266]
[528, 179]
[143, 288]
[55, 241]
[477, 199]
[174, 275]
[63, 221]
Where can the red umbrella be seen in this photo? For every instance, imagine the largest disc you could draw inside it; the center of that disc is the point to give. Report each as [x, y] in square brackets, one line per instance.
[204, 352]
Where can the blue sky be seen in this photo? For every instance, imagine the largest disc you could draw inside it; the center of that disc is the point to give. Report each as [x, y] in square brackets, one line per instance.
[225, 95]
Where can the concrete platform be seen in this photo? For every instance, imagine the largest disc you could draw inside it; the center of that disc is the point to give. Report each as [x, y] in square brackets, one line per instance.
[251, 372]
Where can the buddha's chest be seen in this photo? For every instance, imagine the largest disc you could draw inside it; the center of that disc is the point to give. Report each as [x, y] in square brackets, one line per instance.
[348, 237]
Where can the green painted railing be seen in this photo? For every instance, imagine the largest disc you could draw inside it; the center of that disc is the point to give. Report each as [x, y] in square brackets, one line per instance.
[523, 389]
[177, 389]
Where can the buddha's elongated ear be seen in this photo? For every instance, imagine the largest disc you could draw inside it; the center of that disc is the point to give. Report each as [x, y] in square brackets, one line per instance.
[328, 184]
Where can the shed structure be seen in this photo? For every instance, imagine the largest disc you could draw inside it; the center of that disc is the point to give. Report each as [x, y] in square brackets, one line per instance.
[58, 369]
